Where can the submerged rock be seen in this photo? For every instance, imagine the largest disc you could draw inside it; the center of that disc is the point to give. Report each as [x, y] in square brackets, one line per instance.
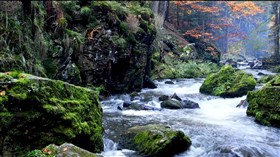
[35, 112]
[168, 82]
[156, 140]
[228, 82]
[64, 150]
[264, 103]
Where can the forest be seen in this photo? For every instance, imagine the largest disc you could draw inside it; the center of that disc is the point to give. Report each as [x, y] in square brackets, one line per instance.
[139, 78]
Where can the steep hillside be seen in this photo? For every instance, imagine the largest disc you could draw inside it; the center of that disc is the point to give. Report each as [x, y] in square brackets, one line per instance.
[101, 43]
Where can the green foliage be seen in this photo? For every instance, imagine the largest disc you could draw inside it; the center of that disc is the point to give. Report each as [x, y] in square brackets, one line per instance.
[145, 13]
[123, 27]
[76, 36]
[175, 68]
[119, 41]
[276, 69]
[37, 153]
[110, 6]
[86, 10]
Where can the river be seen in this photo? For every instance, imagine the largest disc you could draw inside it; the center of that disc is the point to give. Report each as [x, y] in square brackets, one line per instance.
[217, 128]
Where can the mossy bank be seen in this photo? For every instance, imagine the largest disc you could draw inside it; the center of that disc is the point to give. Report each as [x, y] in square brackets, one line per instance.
[228, 82]
[264, 104]
[35, 112]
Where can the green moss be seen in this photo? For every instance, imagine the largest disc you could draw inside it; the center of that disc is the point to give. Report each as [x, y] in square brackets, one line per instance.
[266, 79]
[158, 140]
[228, 82]
[60, 112]
[264, 104]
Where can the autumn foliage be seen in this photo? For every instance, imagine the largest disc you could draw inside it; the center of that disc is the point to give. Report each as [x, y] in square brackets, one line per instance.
[216, 16]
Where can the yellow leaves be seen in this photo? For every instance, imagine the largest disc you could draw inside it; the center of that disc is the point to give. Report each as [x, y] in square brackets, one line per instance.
[3, 93]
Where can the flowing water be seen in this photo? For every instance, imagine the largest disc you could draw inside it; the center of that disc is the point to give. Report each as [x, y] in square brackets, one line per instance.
[217, 128]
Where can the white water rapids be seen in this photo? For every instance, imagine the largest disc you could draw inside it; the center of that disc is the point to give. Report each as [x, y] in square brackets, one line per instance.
[217, 128]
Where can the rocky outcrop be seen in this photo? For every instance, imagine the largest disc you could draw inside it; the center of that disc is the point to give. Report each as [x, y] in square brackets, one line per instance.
[264, 103]
[65, 150]
[155, 140]
[204, 50]
[228, 82]
[117, 52]
[100, 43]
[35, 112]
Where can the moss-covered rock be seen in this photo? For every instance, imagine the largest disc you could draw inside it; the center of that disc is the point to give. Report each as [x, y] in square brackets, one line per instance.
[228, 82]
[35, 112]
[65, 150]
[171, 104]
[156, 140]
[266, 79]
[264, 104]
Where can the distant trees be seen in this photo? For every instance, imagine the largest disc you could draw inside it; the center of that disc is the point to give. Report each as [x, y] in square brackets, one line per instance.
[275, 12]
[221, 22]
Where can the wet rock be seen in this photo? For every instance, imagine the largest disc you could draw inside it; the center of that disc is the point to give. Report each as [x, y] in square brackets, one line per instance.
[169, 82]
[243, 104]
[136, 106]
[64, 150]
[47, 111]
[126, 104]
[171, 104]
[228, 82]
[175, 96]
[163, 98]
[189, 104]
[264, 103]
[148, 83]
[155, 140]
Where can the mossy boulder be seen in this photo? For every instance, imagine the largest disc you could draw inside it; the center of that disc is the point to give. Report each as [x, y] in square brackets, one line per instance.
[156, 140]
[35, 112]
[228, 82]
[264, 104]
[266, 79]
[65, 150]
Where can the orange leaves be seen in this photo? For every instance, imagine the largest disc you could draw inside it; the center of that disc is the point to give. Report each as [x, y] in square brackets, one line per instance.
[198, 7]
[196, 33]
[47, 151]
[247, 8]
